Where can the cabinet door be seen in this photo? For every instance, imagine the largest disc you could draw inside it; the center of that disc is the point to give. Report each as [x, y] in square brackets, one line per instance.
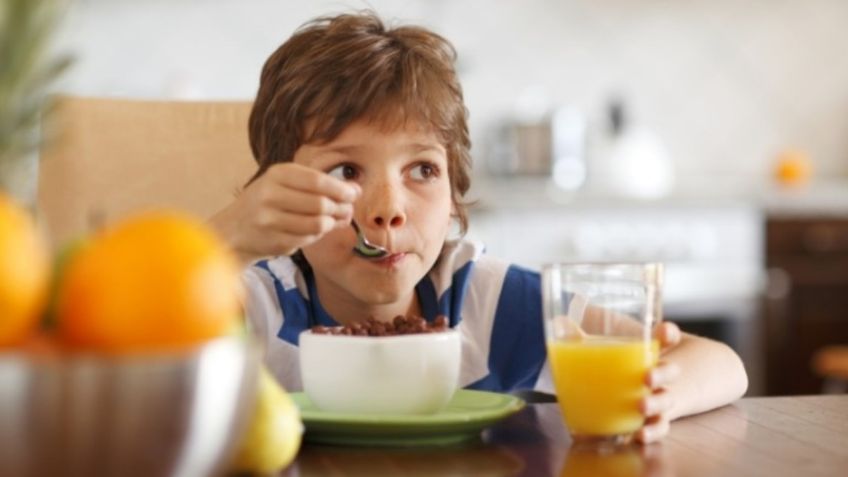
[813, 310]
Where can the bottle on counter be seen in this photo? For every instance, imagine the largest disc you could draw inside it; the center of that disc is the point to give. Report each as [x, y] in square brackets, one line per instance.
[568, 148]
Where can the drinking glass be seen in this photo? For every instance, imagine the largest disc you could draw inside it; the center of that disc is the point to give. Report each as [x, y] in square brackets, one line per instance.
[599, 328]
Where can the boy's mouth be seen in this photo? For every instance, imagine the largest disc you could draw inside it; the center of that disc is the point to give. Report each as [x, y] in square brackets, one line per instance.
[389, 260]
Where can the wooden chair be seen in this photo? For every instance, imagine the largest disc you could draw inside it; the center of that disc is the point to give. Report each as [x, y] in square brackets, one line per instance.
[831, 363]
[112, 157]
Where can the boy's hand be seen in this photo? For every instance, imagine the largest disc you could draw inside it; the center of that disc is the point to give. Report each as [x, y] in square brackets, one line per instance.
[288, 207]
[659, 402]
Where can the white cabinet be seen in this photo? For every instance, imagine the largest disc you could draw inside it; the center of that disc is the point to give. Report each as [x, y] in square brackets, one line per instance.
[711, 252]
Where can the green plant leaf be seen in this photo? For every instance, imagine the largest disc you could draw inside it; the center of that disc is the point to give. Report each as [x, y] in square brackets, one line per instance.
[27, 70]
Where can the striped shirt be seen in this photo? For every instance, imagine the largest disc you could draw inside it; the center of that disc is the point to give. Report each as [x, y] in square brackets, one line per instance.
[497, 307]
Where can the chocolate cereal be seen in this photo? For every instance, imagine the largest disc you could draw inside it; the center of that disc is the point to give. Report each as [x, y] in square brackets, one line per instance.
[400, 325]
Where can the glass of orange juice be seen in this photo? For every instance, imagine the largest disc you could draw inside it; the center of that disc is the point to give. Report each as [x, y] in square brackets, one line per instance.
[599, 327]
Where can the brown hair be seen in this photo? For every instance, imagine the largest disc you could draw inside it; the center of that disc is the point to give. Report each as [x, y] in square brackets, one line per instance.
[336, 70]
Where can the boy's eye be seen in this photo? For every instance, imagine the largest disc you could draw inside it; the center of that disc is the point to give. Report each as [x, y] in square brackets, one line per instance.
[345, 172]
[424, 171]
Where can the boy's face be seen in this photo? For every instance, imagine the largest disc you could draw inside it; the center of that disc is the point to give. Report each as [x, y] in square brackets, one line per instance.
[405, 207]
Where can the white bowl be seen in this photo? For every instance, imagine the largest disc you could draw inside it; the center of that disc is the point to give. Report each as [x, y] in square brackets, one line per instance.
[401, 374]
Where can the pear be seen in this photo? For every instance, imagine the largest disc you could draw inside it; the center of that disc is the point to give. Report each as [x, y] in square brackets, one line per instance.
[274, 433]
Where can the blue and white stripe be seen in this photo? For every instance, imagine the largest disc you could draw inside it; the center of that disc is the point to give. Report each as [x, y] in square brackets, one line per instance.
[496, 306]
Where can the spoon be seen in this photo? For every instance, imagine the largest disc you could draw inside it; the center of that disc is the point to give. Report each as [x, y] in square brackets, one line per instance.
[364, 248]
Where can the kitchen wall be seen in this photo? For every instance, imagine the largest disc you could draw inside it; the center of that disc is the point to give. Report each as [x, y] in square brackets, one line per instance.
[726, 84]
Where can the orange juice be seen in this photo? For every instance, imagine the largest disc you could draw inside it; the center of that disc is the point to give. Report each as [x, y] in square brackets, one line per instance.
[599, 382]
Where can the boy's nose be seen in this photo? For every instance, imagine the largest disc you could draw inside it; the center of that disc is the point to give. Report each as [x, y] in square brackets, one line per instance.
[384, 207]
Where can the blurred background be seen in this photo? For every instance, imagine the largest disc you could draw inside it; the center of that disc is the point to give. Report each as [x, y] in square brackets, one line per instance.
[710, 135]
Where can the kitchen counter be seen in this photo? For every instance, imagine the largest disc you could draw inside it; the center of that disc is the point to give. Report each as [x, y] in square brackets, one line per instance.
[820, 198]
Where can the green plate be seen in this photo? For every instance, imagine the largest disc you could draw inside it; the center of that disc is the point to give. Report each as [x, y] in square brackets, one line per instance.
[467, 413]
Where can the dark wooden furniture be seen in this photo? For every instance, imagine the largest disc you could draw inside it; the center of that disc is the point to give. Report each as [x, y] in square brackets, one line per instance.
[778, 436]
[807, 305]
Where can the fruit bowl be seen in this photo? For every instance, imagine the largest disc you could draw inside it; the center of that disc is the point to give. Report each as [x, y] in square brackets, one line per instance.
[177, 414]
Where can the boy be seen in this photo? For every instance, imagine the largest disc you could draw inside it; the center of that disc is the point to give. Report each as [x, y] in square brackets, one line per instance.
[354, 121]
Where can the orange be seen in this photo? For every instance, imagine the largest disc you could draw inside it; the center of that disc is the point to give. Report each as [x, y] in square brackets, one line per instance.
[159, 280]
[24, 273]
[793, 167]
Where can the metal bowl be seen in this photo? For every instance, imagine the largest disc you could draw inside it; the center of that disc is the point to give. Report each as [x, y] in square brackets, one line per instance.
[154, 415]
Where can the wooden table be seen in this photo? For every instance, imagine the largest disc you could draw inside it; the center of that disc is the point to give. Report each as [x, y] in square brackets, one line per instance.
[791, 436]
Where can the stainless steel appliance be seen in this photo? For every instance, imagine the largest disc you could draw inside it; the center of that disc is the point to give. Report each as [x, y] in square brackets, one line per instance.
[554, 146]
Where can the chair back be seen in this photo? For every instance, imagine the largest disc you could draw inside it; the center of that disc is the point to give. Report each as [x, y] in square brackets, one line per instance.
[113, 157]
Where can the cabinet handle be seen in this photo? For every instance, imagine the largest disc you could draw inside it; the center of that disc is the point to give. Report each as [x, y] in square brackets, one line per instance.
[778, 284]
[777, 322]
